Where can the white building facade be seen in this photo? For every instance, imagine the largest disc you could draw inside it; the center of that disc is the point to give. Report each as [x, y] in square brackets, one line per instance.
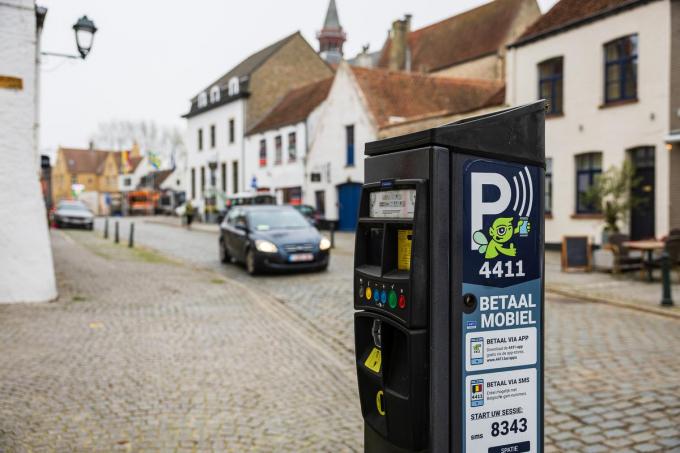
[215, 136]
[335, 163]
[608, 81]
[26, 267]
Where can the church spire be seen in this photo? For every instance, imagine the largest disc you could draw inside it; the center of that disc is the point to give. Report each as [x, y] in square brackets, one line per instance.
[331, 37]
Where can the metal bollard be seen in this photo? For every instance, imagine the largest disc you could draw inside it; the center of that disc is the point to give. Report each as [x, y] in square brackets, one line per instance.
[131, 240]
[116, 237]
[667, 298]
[106, 228]
[332, 227]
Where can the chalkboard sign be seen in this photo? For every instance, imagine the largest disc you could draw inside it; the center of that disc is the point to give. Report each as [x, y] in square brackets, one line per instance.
[576, 253]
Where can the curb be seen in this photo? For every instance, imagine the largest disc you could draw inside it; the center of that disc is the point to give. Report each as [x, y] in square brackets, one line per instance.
[201, 228]
[668, 313]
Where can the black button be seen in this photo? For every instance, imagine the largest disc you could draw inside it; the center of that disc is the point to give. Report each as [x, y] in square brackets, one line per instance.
[520, 447]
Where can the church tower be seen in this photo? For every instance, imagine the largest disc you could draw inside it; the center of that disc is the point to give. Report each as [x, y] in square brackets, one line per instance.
[331, 37]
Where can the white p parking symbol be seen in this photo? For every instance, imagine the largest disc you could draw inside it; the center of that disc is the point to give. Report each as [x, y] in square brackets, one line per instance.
[479, 208]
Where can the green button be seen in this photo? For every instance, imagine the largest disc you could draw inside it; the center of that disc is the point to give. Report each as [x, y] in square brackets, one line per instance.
[393, 299]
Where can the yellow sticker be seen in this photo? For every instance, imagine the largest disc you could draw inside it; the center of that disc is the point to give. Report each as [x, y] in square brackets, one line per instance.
[379, 402]
[404, 249]
[374, 360]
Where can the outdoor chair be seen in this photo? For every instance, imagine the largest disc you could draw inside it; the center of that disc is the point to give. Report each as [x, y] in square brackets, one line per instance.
[623, 260]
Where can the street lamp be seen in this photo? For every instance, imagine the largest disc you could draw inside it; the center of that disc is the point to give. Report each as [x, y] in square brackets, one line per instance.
[84, 29]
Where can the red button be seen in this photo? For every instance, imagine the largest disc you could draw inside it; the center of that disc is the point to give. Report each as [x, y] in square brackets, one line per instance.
[402, 301]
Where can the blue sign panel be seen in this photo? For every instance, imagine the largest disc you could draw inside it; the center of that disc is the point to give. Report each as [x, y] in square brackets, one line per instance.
[501, 336]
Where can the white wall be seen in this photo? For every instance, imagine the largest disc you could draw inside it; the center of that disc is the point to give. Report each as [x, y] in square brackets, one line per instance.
[327, 146]
[226, 152]
[26, 268]
[276, 176]
[587, 127]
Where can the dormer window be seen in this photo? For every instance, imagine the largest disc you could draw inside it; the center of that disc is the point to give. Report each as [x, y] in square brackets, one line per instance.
[234, 86]
[202, 100]
[214, 94]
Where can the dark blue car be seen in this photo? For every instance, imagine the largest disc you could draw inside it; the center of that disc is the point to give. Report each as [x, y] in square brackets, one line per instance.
[272, 238]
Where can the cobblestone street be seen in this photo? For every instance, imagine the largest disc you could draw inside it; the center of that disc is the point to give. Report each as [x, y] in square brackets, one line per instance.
[163, 348]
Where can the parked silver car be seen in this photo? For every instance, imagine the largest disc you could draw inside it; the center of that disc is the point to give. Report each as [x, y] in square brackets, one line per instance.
[73, 214]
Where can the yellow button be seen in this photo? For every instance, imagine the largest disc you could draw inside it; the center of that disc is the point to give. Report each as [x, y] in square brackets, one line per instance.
[369, 294]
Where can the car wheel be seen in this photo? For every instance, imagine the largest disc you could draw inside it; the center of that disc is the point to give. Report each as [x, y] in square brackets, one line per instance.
[224, 254]
[90, 227]
[251, 265]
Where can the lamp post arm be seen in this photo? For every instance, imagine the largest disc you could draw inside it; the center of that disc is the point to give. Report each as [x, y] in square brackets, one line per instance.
[62, 55]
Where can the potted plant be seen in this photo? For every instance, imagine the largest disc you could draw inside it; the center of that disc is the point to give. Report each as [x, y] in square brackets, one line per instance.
[612, 195]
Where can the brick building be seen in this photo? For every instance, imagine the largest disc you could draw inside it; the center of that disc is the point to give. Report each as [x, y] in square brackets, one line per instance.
[222, 113]
[470, 44]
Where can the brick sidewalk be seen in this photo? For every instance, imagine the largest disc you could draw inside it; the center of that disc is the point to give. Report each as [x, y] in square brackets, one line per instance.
[625, 290]
[143, 353]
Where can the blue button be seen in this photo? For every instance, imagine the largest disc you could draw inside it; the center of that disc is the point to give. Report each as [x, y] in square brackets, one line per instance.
[376, 296]
[383, 296]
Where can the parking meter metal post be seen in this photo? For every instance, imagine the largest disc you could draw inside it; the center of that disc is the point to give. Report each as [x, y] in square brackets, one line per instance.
[448, 287]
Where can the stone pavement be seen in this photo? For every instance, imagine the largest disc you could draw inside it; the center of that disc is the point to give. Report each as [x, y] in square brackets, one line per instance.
[145, 353]
[182, 328]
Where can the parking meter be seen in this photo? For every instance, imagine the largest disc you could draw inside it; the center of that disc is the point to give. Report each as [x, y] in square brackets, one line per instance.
[448, 287]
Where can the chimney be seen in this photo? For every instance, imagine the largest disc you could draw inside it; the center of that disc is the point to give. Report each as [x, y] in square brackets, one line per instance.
[399, 52]
[91, 145]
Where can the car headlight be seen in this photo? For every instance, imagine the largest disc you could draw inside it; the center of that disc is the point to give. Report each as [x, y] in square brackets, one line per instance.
[265, 246]
[325, 244]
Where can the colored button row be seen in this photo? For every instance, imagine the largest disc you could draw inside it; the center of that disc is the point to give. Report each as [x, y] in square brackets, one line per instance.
[383, 297]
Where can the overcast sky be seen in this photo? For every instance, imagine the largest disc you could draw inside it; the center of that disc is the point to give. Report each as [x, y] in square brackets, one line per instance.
[149, 57]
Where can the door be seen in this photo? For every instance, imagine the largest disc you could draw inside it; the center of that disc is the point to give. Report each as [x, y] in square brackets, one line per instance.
[348, 205]
[642, 225]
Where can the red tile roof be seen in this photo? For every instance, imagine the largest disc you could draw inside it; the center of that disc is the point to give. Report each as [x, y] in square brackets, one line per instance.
[395, 96]
[569, 13]
[295, 106]
[475, 33]
[80, 160]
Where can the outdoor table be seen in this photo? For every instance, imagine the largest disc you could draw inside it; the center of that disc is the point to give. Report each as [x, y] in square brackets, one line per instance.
[648, 246]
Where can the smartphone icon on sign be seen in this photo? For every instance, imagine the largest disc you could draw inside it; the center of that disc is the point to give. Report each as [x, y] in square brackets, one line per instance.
[477, 392]
[476, 351]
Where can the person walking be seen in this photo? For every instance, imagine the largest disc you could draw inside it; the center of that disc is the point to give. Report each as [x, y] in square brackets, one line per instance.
[189, 213]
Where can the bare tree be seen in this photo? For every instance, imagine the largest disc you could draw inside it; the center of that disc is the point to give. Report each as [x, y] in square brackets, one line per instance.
[166, 141]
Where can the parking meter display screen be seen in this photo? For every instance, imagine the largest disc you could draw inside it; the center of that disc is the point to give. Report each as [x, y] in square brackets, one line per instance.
[393, 204]
[502, 265]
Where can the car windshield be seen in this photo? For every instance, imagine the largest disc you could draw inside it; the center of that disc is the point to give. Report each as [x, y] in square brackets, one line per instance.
[73, 207]
[277, 219]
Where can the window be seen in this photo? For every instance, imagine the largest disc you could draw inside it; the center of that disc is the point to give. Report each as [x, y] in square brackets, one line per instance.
[127, 182]
[193, 183]
[349, 134]
[548, 185]
[315, 177]
[212, 136]
[550, 84]
[224, 177]
[231, 131]
[233, 86]
[292, 147]
[202, 100]
[620, 69]
[202, 180]
[200, 139]
[234, 176]
[214, 94]
[588, 169]
[263, 153]
[278, 150]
